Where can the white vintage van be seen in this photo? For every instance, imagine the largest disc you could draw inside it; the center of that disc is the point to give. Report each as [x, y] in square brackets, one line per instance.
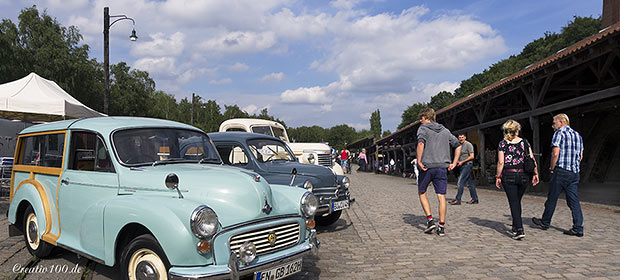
[311, 153]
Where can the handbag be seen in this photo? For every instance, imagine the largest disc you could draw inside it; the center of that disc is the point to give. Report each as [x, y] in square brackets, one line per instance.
[529, 165]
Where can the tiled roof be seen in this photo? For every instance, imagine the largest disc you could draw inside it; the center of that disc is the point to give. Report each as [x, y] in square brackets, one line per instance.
[538, 65]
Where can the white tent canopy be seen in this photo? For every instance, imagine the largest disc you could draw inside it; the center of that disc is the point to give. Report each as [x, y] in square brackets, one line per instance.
[34, 98]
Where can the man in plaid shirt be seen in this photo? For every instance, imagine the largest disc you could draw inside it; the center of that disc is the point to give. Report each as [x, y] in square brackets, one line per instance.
[565, 159]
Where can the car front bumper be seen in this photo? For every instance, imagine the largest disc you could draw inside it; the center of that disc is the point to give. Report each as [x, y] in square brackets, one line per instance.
[233, 270]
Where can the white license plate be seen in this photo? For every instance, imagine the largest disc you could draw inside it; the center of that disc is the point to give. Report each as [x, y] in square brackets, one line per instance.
[279, 272]
[339, 205]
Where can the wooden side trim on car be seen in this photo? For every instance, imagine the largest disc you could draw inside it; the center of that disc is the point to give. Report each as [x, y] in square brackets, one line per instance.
[43, 133]
[38, 169]
[55, 171]
[46, 206]
[62, 167]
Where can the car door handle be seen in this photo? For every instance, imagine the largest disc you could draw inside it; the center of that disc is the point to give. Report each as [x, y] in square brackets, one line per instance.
[64, 182]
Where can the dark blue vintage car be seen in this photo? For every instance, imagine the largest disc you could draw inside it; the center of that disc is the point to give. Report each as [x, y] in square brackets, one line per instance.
[273, 160]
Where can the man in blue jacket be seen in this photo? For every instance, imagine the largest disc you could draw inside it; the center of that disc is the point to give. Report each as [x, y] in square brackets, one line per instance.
[433, 156]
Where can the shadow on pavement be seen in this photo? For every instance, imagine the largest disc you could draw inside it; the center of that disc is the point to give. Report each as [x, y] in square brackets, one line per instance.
[416, 221]
[528, 221]
[339, 225]
[497, 226]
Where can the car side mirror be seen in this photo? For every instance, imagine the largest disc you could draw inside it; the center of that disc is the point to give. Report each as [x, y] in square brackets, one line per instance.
[172, 182]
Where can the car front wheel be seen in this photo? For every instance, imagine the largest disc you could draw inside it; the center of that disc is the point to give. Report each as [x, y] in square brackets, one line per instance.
[35, 245]
[143, 258]
[329, 219]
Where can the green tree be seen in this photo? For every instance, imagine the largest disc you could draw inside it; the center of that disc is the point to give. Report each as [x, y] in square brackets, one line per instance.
[163, 106]
[10, 52]
[207, 115]
[386, 133]
[233, 112]
[441, 99]
[362, 134]
[307, 134]
[576, 30]
[40, 44]
[131, 91]
[375, 124]
[410, 114]
[340, 135]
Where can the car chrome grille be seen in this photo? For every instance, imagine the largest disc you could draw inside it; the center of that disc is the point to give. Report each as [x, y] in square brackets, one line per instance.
[325, 160]
[287, 235]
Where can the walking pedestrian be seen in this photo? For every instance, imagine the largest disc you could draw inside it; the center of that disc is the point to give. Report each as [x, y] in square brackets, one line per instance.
[466, 164]
[433, 156]
[414, 163]
[566, 155]
[344, 159]
[362, 160]
[511, 174]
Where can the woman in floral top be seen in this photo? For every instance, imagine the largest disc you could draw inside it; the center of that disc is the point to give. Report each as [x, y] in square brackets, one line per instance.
[510, 172]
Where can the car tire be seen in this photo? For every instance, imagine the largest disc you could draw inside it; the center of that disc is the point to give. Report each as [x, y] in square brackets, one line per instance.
[36, 246]
[329, 219]
[144, 255]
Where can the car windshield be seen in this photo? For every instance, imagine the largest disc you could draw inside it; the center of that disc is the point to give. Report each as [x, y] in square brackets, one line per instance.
[267, 150]
[279, 133]
[262, 130]
[144, 146]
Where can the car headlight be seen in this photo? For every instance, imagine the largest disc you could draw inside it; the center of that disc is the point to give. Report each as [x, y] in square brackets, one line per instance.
[311, 158]
[247, 252]
[203, 222]
[308, 185]
[346, 182]
[309, 204]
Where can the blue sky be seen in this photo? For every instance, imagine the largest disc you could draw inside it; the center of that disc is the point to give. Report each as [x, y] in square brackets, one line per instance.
[313, 62]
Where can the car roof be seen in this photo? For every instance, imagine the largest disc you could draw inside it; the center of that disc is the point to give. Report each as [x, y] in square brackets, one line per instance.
[239, 136]
[105, 125]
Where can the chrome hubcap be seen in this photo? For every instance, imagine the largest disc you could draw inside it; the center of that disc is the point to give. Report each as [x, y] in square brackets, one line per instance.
[33, 232]
[146, 271]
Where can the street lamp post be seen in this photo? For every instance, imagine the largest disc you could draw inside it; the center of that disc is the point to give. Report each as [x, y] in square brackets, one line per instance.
[106, 51]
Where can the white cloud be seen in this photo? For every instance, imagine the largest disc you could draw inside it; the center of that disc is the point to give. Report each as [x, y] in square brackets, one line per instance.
[221, 81]
[424, 92]
[273, 77]
[194, 73]
[326, 108]
[360, 126]
[250, 109]
[159, 45]
[164, 66]
[347, 4]
[240, 42]
[305, 95]
[238, 67]
[385, 52]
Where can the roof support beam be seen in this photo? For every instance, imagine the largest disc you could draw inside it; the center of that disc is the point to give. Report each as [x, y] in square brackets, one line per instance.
[599, 95]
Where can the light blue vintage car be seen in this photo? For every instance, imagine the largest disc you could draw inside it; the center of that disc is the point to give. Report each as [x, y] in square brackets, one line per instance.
[153, 197]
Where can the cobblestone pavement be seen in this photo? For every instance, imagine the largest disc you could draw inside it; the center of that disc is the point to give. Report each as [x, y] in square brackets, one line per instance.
[381, 237]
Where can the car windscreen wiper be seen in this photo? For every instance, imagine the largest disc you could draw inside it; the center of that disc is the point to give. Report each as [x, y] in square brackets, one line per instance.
[171, 160]
[209, 160]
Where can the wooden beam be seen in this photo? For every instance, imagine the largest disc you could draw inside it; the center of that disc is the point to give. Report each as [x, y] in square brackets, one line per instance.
[543, 91]
[599, 95]
[576, 87]
[608, 62]
[483, 160]
[529, 96]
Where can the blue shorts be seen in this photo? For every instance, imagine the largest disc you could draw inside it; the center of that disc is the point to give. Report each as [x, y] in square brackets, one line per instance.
[344, 162]
[439, 177]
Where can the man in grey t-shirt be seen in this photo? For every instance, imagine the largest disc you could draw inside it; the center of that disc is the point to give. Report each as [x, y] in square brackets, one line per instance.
[434, 160]
[465, 178]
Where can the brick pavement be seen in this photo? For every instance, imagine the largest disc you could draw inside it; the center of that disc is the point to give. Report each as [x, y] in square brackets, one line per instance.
[381, 237]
